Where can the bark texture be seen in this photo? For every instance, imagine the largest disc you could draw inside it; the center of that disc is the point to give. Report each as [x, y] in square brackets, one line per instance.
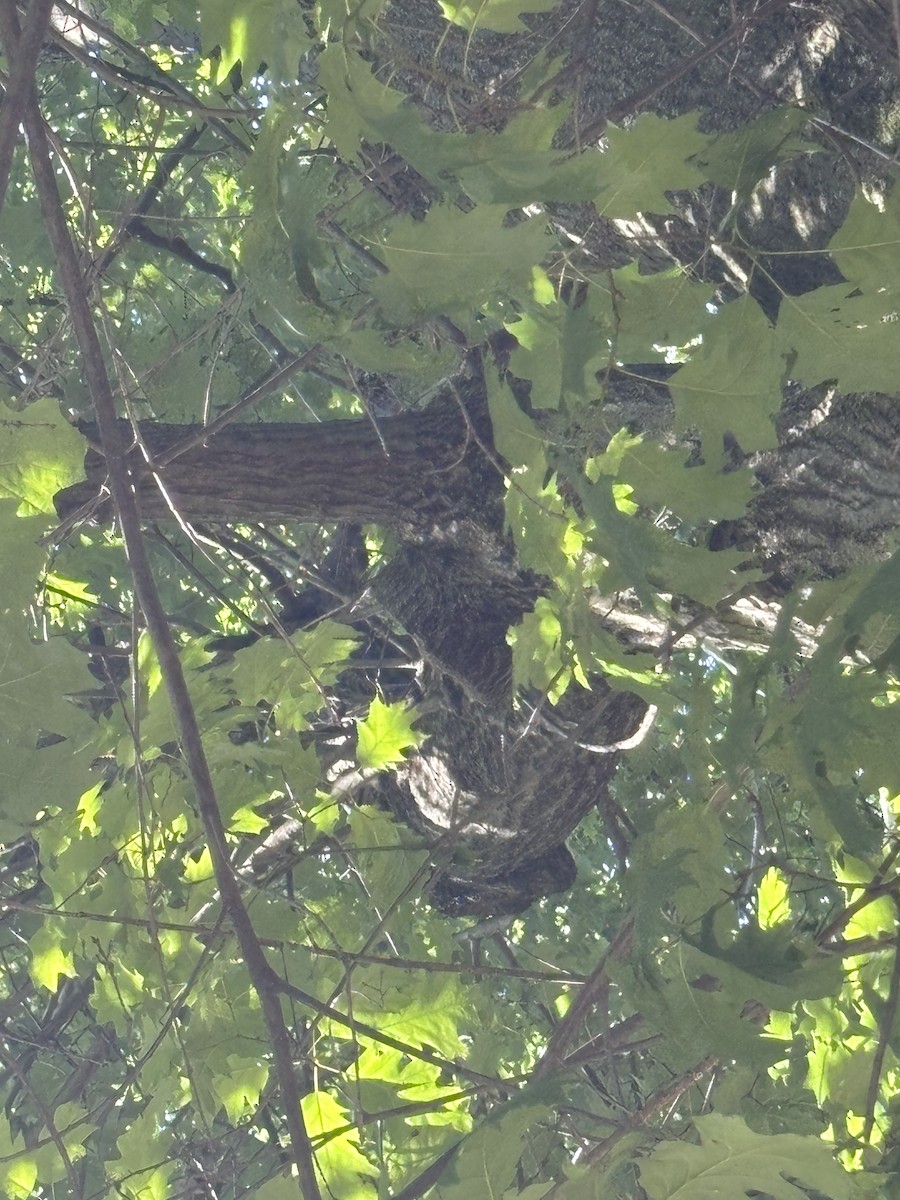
[413, 473]
[498, 795]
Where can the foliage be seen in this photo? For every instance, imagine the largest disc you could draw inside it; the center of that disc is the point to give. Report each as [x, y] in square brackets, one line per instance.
[713, 1008]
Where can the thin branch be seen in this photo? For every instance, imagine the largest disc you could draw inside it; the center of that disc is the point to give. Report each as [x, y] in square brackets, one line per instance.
[272, 382]
[106, 34]
[879, 885]
[162, 93]
[347, 956]
[456, 968]
[885, 1033]
[361, 1029]
[47, 1113]
[152, 191]
[660, 1102]
[423, 1183]
[74, 286]
[593, 991]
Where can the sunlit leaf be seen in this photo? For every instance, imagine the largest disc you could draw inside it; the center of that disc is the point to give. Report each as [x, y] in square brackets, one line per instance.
[731, 1159]
[385, 735]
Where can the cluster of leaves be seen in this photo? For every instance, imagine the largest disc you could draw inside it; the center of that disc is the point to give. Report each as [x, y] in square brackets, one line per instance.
[713, 1008]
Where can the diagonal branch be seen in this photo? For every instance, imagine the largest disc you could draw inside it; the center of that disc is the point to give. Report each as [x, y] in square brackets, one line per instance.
[594, 991]
[156, 75]
[98, 382]
[361, 1029]
[886, 1029]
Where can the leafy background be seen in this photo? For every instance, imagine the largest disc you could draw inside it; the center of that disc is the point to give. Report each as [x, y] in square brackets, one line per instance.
[712, 1010]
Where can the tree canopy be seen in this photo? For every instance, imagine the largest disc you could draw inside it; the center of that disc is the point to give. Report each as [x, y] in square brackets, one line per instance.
[449, 495]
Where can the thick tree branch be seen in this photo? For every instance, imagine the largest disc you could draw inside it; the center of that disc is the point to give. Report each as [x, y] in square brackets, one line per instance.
[20, 80]
[415, 469]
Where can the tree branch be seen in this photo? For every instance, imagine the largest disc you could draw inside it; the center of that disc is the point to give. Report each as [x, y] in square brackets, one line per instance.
[20, 80]
[98, 382]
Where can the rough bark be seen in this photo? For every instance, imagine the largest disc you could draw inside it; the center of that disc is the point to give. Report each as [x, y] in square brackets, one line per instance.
[413, 473]
[498, 795]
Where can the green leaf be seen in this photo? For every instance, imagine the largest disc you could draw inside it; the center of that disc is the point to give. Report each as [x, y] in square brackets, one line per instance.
[361, 107]
[385, 734]
[486, 1160]
[453, 262]
[732, 383]
[732, 1160]
[502, 16]
[290, 675]
[422, 1010]
[681, 862]
[19, 544]
[516, 436]
[386, 862]
[656, 313]
[34, 680]
[239, 1090]
[25, 245]
[562, 347]
[73, 1124]
[251, 32]
[547, 536]
[40, 453]
[868, 240]
[845, 726]
[18, 1166]
[840, 1069]
[837, 333]
[739, 160]
[344, 1170]
[282, 1187]
[651, 560]
[49, 959]
[537, 651]
[142, 1169]
[516, 165]
[646, 160]
[662, 478]
[773, 899]
[284, 239]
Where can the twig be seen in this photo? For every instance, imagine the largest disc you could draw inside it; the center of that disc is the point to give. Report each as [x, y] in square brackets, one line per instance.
[877, 886]
[347, 956]
[271, 383]
[163, 94]
[361, 1029]
[633, 104]
[46, 1112]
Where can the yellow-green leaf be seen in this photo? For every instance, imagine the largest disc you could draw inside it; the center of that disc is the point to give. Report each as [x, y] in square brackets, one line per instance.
[385, 734]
